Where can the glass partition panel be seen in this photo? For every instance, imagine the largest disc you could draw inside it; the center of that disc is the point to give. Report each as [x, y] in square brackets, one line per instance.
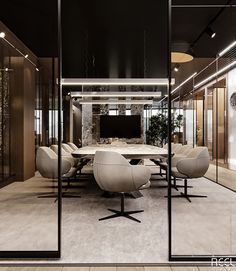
[28, 176]
[211, 131]
[203, 210]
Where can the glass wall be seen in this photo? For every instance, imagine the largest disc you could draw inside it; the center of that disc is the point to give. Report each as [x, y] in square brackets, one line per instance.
[204, 227]
[28, 118]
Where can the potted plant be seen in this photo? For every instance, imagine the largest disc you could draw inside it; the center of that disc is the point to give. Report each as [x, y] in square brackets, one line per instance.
[157, 133]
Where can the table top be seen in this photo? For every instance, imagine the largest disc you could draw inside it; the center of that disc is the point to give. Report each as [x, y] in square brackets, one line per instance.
[138, 151]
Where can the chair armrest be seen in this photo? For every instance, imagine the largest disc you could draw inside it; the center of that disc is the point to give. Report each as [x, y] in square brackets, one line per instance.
[187, 166]
[73, 161]
[141, 175]
[65, 166]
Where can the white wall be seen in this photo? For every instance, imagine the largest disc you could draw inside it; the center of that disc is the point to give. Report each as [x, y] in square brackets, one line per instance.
[231, 121]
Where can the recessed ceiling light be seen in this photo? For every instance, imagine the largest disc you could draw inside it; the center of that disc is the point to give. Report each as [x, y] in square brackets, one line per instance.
[37, 69]
[6, 69]
[2, 35]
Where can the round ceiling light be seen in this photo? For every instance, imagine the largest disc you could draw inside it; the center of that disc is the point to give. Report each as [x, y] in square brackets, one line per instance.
[179, 57]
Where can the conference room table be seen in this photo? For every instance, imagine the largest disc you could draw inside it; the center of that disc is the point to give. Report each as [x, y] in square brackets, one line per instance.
[134, 152]
[129, 151]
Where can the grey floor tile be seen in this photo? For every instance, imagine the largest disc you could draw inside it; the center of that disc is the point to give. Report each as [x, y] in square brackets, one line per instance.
[130, 268]
[201, 268]
[184, 268]
[75, 268]
[21, 268]
[101, 268]
[51, 268]
[157, 268]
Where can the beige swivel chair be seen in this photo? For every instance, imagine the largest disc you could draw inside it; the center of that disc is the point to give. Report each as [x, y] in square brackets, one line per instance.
[47, 165]
[73, 146]
[193, 166]
[67, 148]
[65, 155]
[113, 173]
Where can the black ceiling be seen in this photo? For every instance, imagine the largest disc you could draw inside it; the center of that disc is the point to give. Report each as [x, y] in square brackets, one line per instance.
[116, 38]
[34, 22]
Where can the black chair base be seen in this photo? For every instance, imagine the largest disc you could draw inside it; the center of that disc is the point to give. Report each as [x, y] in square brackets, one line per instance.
[122, 212]
[185, 193]
[188, 196]
[55, 195]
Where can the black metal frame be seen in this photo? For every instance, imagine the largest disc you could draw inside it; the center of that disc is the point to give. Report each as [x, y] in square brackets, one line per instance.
[169, 75]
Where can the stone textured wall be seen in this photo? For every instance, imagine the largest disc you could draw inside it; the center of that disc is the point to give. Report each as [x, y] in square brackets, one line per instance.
[87, 124]
[121, 109]
[91, 123]
[137, 109]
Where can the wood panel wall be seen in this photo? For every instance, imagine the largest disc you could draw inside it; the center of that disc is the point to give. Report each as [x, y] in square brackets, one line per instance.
[22, 93]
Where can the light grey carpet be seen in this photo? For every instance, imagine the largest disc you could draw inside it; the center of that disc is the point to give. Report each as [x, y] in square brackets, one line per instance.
[205, 226]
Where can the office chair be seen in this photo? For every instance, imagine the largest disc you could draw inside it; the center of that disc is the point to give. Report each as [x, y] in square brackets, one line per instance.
[113, 173]
[47, 165]
[73, 146]
[191, 167]
[67, 148]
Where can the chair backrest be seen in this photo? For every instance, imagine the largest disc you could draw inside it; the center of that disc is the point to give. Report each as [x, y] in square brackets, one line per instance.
[176, 147]
[46, 162]
[185, 149]
[55, 149]
[200, 165]
[73, 146]
[113, 172]
[67, 148]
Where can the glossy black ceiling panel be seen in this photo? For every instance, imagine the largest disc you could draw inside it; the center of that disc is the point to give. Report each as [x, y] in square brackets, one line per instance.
[114, 38]
[33, 22]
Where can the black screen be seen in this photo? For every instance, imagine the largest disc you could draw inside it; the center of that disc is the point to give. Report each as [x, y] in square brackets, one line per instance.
[120, 126]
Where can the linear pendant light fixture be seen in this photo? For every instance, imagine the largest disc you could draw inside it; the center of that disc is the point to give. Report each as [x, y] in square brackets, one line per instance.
[116, 81]
[117, 102]
[184, 82]
[223, 52]
[215, 74]
[156, 94]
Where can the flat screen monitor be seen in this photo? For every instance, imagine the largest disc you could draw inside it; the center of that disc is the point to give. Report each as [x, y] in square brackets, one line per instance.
[120, 126]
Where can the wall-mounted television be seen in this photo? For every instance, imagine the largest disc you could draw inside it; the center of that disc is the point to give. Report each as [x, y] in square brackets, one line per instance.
[120, 126]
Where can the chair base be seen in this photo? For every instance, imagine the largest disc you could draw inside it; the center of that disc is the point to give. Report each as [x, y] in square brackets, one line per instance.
[126, 214]
[185, 193]
[55, 195]
[122, 211]
[188, 196]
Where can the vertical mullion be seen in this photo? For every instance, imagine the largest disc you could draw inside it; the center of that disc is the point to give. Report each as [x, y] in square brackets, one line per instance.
[59, 124]
[169, 127]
